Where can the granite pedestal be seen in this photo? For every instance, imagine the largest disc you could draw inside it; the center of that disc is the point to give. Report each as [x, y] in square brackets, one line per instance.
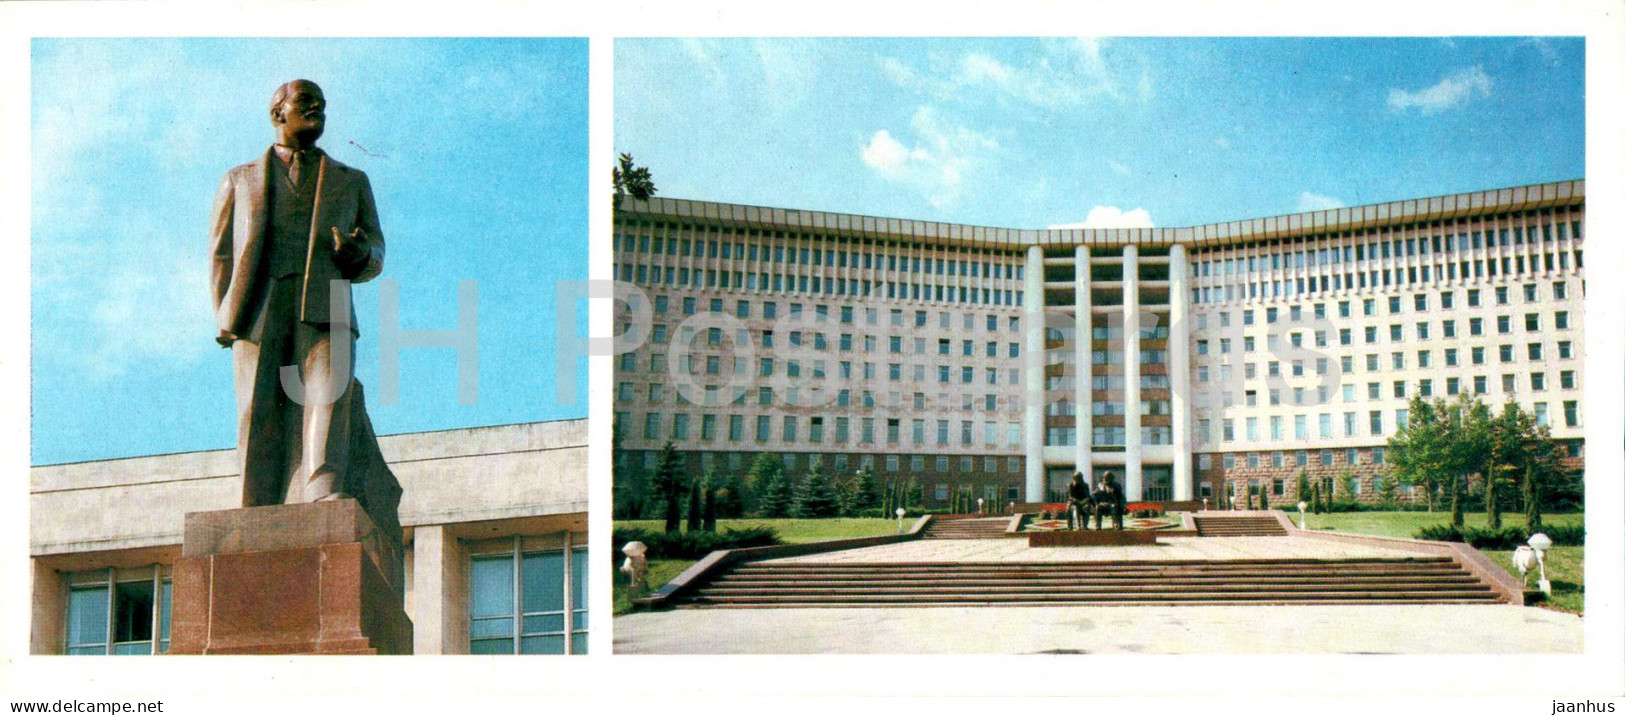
[317, 578]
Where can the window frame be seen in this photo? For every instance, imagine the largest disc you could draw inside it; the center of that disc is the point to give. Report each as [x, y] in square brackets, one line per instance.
[574, 616]
[108, 578]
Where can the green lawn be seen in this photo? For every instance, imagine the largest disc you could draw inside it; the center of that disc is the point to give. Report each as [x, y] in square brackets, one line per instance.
[1565, 565]
[660, 571]
[792, 531]
[1406, 523]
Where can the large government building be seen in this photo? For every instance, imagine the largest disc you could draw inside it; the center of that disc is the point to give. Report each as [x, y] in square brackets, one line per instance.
[495, 525]
[956, 355]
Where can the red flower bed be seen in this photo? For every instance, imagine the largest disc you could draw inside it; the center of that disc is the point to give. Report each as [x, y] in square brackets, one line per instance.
[1144, 509]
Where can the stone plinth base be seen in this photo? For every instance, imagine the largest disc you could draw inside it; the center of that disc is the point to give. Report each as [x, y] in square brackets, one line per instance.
[291, 579]
[1090, 538]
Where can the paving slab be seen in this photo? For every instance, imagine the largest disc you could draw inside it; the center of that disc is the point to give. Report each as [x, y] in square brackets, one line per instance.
[1227, 548]
[1416, 629]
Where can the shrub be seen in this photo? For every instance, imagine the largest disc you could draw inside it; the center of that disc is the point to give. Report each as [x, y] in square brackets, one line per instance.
[1510, 537]
[694, 544]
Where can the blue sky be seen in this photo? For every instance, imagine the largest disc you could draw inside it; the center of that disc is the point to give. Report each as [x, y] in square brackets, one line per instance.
[477, 152]
[1032, 133]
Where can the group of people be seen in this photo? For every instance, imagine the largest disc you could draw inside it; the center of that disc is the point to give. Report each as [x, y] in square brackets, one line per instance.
[1106, 500]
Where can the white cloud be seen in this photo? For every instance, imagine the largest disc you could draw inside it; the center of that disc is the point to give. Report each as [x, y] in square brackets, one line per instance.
[900, 74]
[936, 165]
[1222, 143]
[1112, 217]
[1548, 54]
[1119, 167]
[702, 52]
[789, 71]
[1454, 90]
[136, 308]
[1067, 73]
[1310, 201]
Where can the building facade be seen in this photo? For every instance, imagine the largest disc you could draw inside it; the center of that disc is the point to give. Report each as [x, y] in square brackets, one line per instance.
[495, 523]
[951, 355]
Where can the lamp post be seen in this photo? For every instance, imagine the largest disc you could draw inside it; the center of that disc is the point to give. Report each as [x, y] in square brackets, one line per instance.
[1301, 507]
[1204, 503]
[900, 513]
[1540, 543]
[979, 508]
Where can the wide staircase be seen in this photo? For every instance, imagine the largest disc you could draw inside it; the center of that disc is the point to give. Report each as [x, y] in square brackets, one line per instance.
[965, 528]
[1238, 525]
[1413, 580]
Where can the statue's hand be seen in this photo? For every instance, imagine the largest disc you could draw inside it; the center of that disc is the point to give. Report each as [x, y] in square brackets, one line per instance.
[349, 248]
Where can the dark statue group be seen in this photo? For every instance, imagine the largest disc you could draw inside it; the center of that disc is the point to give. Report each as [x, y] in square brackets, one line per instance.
[1106, 501]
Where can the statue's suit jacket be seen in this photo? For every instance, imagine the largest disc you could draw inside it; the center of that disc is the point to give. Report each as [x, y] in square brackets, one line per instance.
[343, 201]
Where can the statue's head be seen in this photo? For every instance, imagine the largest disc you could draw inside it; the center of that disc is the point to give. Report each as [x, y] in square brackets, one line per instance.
[1111, 478]
[1077, 477]
[299, 111]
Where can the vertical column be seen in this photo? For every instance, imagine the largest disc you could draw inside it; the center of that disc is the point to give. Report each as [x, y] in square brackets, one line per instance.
[439, 593]
[1179, 371]
[47, 633]
[1132, 484]
[1032, 321]
[1083, 396]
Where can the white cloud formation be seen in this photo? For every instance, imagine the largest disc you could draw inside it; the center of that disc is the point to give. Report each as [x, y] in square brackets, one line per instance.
[1452, 91]
[1067, 73]
[1548, 54]
[702, 52]
[1119, 167]
[1112, 217]
[937, 163]
[1310, 201]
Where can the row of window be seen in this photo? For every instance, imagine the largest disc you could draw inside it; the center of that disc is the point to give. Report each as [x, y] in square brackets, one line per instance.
[855, 253]
[1395, 304]
[1108, 435]
[816, 285]
[1301, 396]
[1324, 457]
[818, 369]
[1424, 360]
[841, 462]
[839, 430]
[1326, 428]
[1390, 242]
[820, 314]
[1384, 278]
[1396, 334]
[1277, 487]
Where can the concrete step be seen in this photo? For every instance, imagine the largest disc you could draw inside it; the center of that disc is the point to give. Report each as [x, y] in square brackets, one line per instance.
[1420, 579]
[1216, 597]
[1111, 566]
[1063, 579]
[1229, 587]
[1008, 604]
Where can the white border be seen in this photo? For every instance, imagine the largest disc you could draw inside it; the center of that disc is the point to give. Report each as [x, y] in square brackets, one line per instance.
[1599, 672]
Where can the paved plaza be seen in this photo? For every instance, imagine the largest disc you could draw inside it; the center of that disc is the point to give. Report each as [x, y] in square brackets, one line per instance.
[1427, 629]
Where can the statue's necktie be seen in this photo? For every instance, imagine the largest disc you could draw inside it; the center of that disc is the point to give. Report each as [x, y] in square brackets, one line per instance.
[296, 167]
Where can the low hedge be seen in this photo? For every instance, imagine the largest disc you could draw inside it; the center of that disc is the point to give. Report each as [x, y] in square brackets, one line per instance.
[694, 544]
[1510, 537]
